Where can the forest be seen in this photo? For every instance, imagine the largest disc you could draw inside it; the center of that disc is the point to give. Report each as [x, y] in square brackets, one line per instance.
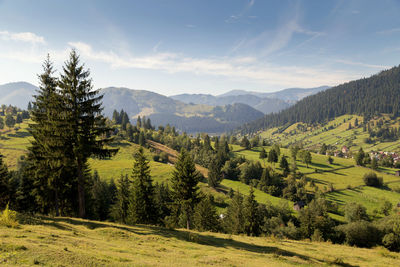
[378, 94]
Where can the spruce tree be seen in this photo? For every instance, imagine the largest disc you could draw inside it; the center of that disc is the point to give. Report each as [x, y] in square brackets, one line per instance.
[205, 216]
[214, 174]
[4, 184]
[47, 156]
[234, 221]
[120, 208]
[86, 125]
[184, 184]
[284, 165]
[251, 216]
[141, 205]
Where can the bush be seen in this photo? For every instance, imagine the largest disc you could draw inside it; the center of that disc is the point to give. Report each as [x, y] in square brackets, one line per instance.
[360, 234]
[355, 212]
[8, 218]
[371, 179]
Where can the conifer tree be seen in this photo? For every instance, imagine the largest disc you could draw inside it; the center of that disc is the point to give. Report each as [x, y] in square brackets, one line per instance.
[120, 208]
[251, 216]
[205, 216]
[214, 173]
[4, 184]
[184, 184]
[141, 205]
[284, 165]
[86, 125]
[234, 221]
[263, 154]
[47, 157]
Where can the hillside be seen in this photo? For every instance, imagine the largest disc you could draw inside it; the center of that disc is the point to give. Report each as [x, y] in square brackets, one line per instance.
[185, 117]
[17, 94]
[264, 104]
[289, 94]
[161, 109]
[336, 134]
[59, 241]
[367, 97]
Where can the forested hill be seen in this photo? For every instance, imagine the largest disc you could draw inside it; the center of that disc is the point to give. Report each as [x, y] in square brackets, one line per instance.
[377, 94]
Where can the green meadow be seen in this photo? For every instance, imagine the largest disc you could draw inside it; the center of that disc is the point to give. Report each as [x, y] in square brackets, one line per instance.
[64, 241]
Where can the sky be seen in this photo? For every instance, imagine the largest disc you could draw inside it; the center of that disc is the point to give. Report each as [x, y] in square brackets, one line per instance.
[203, 46]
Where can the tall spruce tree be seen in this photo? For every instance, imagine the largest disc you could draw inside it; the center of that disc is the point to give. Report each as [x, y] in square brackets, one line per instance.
[86, 125]
[234, 221]
[141, 205]
[120, 208]
[251, 216]
[47, 156]
[184, 185]
[4, 184]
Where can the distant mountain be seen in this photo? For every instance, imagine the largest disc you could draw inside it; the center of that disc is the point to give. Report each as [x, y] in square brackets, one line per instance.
[186, 117]
[264, 102]
[378, 94]
[290, 94]
[17, 94]
[265, 105]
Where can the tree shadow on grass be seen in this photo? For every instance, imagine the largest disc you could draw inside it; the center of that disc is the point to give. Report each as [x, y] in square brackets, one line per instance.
[187, 236]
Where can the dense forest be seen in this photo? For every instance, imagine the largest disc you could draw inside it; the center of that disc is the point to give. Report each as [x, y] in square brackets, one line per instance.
[375, 95]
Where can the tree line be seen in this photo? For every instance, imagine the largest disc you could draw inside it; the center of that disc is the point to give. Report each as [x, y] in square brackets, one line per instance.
[367, 97]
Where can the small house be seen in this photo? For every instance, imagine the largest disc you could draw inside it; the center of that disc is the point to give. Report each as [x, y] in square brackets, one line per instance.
[345, 150]
[298, 205]
[397, 173]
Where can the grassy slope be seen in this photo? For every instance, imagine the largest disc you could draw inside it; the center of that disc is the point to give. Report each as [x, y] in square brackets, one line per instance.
[75, 242]
[339, 136]
[343, 174]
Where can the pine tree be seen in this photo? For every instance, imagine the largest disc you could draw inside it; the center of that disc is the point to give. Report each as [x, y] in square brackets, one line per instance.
[19, 118]
[10, 121]
[214, 174]
[234, 221]
[251, 216]
[205, 217]
[284, 165]
[272, 156]
[184, 184]
[4, 184]
[141, 205]
[120, 208]
[86, 125]
[263, 154]
[124, 120]
[47, 158]
[139, 122]
[374, 164]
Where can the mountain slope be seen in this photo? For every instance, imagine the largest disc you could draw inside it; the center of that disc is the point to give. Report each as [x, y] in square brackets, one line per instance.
[263, 104]
[17, 94]
[163, 110]
[369, 96]
[290, 94]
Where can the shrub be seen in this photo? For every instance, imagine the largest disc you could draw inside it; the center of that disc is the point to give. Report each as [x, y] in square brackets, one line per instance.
[8, 218]
[371, 179]
[355, 212]
[361, 234]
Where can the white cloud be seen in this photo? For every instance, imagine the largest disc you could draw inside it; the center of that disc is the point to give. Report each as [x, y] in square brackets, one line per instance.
[237, 68]
[27, 37]
[354, 63]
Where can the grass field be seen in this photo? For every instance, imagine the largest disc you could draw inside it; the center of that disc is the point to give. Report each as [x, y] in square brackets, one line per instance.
[339, 135]
[75, 242]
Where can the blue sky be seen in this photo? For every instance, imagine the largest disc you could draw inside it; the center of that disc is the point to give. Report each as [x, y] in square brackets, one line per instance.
[212, 46]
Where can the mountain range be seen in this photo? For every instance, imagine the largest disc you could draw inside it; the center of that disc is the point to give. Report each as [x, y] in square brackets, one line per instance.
[264, 102]
[188, 112]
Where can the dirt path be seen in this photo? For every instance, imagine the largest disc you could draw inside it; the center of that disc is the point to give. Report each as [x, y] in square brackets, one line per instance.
[173, 155]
